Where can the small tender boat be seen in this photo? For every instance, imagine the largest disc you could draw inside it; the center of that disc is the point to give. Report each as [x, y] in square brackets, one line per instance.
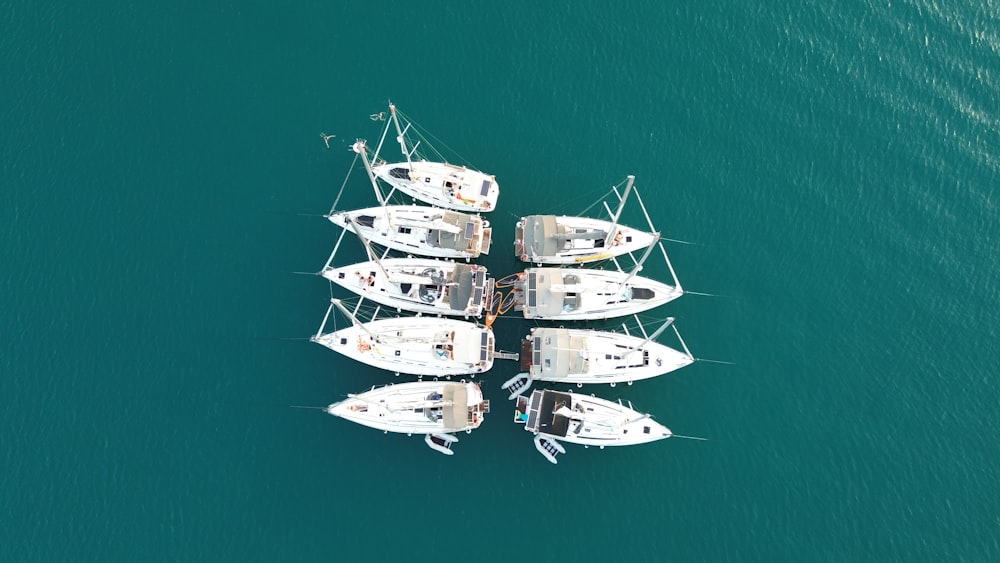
[556, 417]
[440, 443]
[433, 408]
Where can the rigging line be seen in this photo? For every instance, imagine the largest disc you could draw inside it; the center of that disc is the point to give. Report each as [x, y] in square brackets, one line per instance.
[689, 437]
[595, 203]
[603, 198]
[723, 362]
[702, 294]
[304, 407]
[679, 241]
[344, 185]
[424, 133]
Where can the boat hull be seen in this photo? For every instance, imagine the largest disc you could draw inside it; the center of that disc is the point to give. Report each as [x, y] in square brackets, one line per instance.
[416, 345]
[599, 422]
[442, 185]
[416, 285]
[583, 294]
[420, 230]
[576, 356]
[416, 408]
[576, 240]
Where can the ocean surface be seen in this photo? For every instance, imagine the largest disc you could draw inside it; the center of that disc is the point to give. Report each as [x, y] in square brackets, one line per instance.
[831, 168]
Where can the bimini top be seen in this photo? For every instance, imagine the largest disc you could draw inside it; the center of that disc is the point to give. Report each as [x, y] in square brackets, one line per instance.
[464, 283]
[542, 415]
[540, 235]
[563, 354]
[456, 412]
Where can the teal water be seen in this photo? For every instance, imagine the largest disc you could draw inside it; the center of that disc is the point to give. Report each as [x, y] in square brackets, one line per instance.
[835, 166]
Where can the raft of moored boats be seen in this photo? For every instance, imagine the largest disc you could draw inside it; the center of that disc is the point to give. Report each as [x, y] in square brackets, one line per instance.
[413, 266]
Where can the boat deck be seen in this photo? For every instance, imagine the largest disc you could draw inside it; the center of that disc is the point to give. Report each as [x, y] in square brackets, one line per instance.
[541, 413]
[526, 354]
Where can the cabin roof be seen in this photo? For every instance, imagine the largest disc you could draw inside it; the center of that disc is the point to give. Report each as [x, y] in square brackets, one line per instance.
[455, 416]
[560, 353]
[461, 285]
[455, 240]
[540, 235]
[541, 412]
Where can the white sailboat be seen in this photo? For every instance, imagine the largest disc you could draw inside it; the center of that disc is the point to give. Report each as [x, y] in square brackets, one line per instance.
[437, 183]
[559, 239]
[420, 230]
[435, 409]
[419, 285]
[556, 417]
[594, 356]
[414, 345]
[559, 294]
[415, 229]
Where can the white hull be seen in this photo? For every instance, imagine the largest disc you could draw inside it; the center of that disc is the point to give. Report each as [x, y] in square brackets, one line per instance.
[587, 420]
[418, 285]
[589, 356]
[576, 240]
[582, 294]
[416, 345]
[442, 185]
[422, 407]
[421, 230]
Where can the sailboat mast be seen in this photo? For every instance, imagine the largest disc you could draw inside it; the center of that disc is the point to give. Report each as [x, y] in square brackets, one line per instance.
[351, 316]
[381, 140]
[638, 265]
[399, 133]
[684, 344]
[322, 325]
[658, 332]
[621, 206]
[360, 148]
[371, 254]
[677, 282]
[334, 253]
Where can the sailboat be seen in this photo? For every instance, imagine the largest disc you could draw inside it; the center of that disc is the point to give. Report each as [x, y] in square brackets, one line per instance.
[414, 345]
[552, 239]
[419, 285]
[435, 409]
[417, 229]
[563, 294]
[437, 183]
[594, 356]
[553, 416]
